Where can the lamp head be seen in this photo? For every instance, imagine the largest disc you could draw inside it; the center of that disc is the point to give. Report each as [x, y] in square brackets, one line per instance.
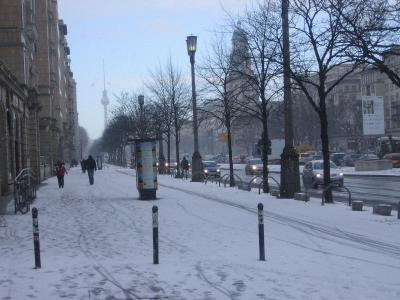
[191, 43]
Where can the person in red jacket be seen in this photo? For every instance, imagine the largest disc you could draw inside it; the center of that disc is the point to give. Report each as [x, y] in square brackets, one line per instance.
[60, 172]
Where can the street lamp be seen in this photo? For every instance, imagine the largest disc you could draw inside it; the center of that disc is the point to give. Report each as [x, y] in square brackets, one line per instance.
[290, 178]
[141, 119]
[197, 164]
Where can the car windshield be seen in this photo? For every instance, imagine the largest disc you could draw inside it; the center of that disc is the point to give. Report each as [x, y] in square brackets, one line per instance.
[319, 165]
[305, 154]
[337, 155]
[370, 156]
[256, 162]
[209, 164]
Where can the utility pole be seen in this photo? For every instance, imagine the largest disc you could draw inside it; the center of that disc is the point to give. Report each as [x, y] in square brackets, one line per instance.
[290, 177]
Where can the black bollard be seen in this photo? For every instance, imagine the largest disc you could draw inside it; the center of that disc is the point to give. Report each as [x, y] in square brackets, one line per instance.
[155, 234]
[261, 231]
[36, 244]
[398, 210]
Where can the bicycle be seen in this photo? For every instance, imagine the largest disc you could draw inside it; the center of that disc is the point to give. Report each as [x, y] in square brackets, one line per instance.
[21, 199]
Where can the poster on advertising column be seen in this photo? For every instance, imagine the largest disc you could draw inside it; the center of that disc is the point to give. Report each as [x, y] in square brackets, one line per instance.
[146, 168]
[373, 115]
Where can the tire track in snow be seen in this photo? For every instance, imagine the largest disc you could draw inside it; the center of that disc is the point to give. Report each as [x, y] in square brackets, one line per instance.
[222, 290]
[318, 230]
[83, 245]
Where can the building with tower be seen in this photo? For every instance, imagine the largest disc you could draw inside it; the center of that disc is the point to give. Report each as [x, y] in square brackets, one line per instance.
[104, 100]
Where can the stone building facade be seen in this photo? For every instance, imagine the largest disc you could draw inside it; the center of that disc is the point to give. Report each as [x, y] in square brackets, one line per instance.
[344, 109]
[15, 140]
[38, 111]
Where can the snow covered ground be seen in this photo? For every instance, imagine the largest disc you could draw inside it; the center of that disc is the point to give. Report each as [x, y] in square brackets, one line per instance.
[96, 243]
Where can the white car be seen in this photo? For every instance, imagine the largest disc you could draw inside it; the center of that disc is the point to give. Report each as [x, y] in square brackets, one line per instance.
[313, 174]
[254, 167]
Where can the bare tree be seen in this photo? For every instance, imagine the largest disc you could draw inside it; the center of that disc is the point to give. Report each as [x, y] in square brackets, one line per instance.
[172, 91]
[319, 50]
[220, 92]
[114, 139]
[257, 64]
[372, 29]
[162, 103]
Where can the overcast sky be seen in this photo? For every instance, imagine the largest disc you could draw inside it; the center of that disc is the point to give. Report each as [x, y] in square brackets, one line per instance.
[133, 37]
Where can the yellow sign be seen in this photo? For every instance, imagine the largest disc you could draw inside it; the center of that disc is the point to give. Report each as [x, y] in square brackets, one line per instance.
[223, 137]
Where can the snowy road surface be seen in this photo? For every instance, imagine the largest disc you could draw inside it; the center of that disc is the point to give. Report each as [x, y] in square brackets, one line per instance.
[370, 189]
[96, 243]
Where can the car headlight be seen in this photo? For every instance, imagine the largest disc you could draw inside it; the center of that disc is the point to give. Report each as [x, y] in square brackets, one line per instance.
[254, 167]
[218, 170]
[319, 175]
[166, 164]
[157, 164]
[205, 171]
[341, 174]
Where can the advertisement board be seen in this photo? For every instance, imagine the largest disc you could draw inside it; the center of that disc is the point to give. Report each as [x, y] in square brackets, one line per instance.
[373, 115]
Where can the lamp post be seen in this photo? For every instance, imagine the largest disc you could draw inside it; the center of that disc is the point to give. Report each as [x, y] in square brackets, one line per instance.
[290, 177]
[197, 165]
[141, 126]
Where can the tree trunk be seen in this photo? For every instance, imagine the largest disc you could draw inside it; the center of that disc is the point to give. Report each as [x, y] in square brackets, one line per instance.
[161, 158]
[178, 168]
[325, 149]
[231, 177]
[169, 151]
[264, 150]
[264, 157]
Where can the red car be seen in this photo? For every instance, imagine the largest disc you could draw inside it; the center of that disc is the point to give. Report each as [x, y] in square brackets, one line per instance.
[395, 158]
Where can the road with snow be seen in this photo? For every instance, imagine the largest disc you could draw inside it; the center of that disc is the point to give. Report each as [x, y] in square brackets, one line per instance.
[96, 243]
[371, 189]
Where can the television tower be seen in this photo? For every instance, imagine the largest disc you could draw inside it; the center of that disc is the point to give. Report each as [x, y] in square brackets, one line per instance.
[104, 99]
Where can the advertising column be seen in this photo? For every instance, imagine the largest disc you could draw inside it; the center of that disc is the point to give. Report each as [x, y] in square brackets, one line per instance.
[146, 168]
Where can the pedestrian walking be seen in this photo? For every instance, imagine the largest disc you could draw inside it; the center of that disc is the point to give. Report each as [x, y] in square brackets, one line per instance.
[185, 166]
[60, 172]
[90, 166]
[83, 162]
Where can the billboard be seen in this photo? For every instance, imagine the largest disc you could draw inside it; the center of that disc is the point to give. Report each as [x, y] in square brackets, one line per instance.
[373, 115]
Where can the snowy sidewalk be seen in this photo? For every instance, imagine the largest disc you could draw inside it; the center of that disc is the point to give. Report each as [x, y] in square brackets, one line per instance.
[96, 243]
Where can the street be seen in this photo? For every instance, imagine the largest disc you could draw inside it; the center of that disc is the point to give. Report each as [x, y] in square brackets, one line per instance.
[370, 189]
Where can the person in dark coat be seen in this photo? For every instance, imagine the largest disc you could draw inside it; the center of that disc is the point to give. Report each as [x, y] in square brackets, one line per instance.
[83, 162]
[185, 166]
[60, 172]
[90, 166]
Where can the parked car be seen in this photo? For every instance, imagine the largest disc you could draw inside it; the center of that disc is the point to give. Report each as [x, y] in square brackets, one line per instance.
[211, 169]
[254, 167]
[338, 158]
[369, 156]
[312, 157]
[395, 158]
[313, 174]
[350, 159]
[236, 159]
[303, 157]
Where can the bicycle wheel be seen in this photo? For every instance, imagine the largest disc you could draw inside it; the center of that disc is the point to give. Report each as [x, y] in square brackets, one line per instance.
[24, 206]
